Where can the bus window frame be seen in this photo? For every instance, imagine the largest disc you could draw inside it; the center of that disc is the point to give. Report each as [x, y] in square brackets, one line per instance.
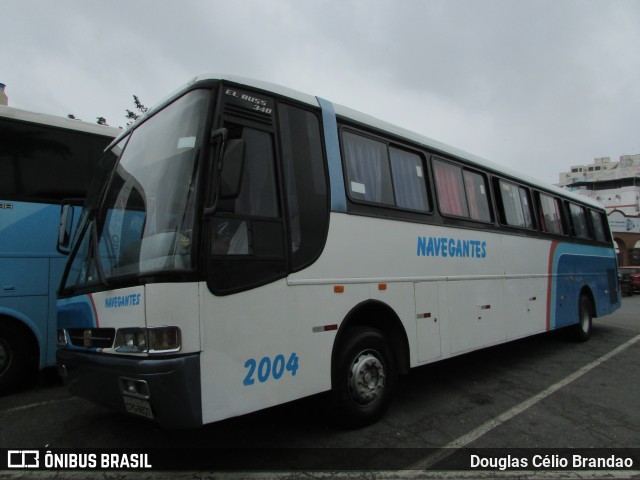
[606, 230]
[463, 168]
[563, 215]
[587, 222]
[380, 209]
[501, 213]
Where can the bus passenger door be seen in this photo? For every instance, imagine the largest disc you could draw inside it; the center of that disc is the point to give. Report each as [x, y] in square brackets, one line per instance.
[428, 321]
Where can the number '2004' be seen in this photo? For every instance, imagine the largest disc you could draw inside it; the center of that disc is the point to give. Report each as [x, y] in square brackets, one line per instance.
[267, 368]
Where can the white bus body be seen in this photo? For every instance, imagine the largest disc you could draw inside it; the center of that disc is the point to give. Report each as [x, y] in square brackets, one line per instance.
[200, 326]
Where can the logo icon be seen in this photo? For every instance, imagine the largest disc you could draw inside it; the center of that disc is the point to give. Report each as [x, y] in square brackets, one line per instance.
[23, 459]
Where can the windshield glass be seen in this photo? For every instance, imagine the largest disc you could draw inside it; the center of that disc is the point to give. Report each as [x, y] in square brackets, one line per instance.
[144, 222]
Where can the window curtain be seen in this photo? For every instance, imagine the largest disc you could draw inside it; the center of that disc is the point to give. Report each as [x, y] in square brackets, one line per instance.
[408, 180]
[477, 196]
[368, 169]
[450, 189]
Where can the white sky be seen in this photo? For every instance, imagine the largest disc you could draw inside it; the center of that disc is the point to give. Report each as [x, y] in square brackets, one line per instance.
[535, 85]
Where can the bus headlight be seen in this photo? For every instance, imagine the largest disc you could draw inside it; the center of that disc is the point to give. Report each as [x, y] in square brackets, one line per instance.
[131, 340]
[164, 339]
[148, 340]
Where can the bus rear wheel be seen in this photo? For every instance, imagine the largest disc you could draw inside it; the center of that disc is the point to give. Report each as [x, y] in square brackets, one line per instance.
[582, 331]
[364, 378]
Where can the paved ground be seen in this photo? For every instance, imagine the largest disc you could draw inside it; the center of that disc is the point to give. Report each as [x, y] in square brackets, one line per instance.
[541, 392]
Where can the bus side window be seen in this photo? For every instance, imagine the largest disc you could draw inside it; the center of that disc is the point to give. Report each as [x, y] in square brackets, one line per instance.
[461, 192]
[368, 170]
[409, 180]
[450, 189]
[550, 214]
[579, 225]
[477, 195]
[598, 223]
[515, 205]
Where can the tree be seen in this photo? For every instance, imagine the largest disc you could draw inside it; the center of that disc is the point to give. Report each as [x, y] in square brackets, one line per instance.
[132, 116]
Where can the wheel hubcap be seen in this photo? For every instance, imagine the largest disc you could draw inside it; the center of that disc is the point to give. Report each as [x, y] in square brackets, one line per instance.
[366, 378]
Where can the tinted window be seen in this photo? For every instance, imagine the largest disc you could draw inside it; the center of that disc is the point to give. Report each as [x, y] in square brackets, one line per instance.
[40, 163]
[236, 226]
[550, 214]
[579, 221]
[599, 226]
[516, 205]
[247, 233]
[306, 182]
[258, 185]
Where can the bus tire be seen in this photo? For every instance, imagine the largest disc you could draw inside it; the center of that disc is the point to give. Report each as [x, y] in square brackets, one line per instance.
[15, 358]
[364, 377]
[582, 330]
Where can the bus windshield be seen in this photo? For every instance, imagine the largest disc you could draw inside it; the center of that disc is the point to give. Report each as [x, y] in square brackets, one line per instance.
[144, 222]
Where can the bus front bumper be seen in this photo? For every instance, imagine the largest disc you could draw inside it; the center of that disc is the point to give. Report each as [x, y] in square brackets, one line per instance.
[165, 390]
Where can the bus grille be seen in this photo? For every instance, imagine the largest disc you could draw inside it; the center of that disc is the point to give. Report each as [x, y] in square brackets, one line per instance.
[92, 337]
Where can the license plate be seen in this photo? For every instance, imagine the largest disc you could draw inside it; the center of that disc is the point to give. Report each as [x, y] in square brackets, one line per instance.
[138, 407]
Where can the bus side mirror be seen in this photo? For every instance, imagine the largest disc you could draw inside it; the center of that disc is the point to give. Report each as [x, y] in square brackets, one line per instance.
[232, 168]
[64, 229]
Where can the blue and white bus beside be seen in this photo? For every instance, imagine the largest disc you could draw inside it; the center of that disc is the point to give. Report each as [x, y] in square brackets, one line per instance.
[255, 245]
[43, 159]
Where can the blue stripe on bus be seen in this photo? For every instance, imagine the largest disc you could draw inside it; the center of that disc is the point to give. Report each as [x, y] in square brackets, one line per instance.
[571, 268]
[336, 176]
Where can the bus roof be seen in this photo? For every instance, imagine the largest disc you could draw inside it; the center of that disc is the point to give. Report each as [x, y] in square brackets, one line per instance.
[378, 124]
[59, 122]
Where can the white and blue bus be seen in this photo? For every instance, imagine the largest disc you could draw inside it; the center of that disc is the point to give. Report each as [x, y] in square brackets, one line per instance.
[43, 159]
[255, 245]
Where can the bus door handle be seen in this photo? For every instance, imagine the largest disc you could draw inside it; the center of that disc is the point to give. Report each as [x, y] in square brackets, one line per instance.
[9, 288]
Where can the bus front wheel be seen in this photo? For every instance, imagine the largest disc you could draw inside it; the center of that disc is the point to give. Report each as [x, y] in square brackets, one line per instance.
[364, 378]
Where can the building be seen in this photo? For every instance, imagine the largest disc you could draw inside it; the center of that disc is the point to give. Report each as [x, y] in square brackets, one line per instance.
[616, 185]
